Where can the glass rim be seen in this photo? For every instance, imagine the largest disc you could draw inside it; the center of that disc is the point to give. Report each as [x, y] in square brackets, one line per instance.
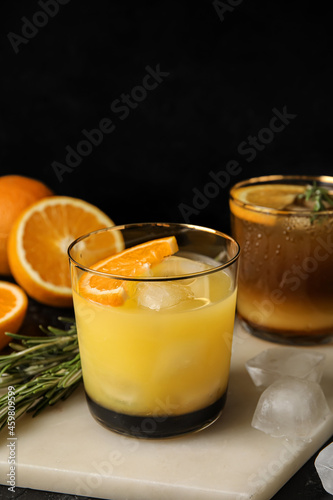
[154, 278]
[266, 179]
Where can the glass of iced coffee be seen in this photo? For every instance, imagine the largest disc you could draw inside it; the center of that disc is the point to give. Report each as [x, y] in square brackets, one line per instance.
[284, 225]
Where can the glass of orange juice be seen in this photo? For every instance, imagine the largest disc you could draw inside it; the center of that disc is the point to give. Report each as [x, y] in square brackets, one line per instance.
[284, 225]
[155, 306]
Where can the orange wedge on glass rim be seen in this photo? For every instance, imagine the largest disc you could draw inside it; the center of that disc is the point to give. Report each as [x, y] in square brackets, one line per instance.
[132, 262]
[38, 242]
[256, 203]
[13, 308]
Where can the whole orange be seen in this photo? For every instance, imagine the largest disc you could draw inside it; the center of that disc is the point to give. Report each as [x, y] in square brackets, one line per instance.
[16, 194]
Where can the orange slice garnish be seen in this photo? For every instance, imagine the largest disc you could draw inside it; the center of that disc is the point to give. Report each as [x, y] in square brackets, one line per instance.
[134, 261]
[13, 308]
[38, 242]
[255, 203]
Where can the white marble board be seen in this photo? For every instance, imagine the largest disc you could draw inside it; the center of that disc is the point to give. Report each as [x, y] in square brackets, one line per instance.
[65, 450]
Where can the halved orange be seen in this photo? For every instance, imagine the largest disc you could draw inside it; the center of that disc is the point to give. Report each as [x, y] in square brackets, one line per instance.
[38, 242]
[253, 203]
[134, 261]
[13, 308]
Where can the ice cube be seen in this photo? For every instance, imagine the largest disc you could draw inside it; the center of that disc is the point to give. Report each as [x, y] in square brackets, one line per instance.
[299, 222]
[324, 467]
[160, 295]
[291, 407]
[178, 266]
[274, 363]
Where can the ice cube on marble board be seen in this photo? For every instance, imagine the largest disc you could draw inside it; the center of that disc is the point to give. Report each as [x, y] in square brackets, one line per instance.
[324, 467]
[274, 363]
[291, 407]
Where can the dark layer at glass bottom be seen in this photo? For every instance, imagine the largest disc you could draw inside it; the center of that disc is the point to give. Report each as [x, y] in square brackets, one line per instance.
[289, 337]
[159, 426]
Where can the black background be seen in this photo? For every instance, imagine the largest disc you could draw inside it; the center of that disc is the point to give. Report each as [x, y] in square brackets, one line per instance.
[227, 69]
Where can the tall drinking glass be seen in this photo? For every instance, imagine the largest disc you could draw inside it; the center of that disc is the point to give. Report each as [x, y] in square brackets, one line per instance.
[286, 271]
[157, 365]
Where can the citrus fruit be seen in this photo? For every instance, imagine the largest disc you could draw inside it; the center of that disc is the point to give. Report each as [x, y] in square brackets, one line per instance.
[134, 261]
[277, 196]
[13, 308]
[253, 203]
[38, 242]
[16, 193]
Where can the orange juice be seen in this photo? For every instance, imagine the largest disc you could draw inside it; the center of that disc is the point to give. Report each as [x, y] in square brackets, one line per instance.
[158, 365]
[174, 361]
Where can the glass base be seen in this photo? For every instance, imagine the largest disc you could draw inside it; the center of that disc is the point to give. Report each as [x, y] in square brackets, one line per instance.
[287, 337]
[157, 427]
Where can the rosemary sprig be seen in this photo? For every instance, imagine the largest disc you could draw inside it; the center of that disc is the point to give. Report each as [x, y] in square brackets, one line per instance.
[319, 196]
[42, 370]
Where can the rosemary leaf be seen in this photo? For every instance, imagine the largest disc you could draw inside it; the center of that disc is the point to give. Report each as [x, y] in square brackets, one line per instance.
[317, 195]
[43, 370]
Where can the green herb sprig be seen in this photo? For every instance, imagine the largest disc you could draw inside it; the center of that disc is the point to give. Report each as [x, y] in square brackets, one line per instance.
[318, 195]
[43, 370]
